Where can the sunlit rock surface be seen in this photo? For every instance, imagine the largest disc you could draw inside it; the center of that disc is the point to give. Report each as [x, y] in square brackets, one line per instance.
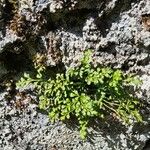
[118, 31]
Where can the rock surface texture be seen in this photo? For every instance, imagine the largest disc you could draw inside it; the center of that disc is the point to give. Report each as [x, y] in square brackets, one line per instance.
[119, 33]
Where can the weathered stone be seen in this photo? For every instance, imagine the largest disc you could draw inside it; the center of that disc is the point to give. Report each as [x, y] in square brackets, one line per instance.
[119, 37]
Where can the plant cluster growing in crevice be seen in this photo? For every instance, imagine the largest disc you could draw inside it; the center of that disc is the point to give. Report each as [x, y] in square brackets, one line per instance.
[85, 92]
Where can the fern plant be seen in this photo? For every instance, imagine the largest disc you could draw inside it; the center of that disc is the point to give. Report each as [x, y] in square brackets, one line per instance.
[85, 92]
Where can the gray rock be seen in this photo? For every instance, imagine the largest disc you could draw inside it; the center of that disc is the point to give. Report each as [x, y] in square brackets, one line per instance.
[114, 31]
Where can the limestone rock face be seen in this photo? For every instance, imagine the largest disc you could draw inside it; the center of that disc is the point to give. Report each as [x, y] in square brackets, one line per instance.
[118, 31]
